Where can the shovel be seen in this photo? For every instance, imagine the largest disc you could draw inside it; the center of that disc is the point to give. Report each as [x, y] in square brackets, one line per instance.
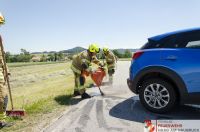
[97, 77]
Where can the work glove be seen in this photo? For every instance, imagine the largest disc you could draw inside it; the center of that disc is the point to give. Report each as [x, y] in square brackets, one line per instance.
[90, 70]
[101, 65]
[102, 68]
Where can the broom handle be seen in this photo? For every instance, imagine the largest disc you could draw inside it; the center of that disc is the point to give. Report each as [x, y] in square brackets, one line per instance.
[6, 77]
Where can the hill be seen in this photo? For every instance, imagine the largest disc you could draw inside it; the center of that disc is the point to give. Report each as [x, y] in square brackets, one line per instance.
[80, 49]
[74, 50]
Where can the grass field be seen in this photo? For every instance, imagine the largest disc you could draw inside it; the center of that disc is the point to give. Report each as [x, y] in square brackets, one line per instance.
[20, 64]
[125, 59]
[42, 89]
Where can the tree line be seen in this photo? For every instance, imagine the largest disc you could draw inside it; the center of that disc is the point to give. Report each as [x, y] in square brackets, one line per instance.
[25, 56]
[126, 54]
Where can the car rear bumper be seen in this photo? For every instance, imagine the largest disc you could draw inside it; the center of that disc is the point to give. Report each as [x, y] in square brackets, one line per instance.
[131, 86]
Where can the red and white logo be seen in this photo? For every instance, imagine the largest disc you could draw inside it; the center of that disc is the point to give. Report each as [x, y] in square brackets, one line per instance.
[149, 127]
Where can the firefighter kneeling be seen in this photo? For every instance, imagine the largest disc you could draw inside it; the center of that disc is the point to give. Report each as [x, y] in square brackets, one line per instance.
[82, 63]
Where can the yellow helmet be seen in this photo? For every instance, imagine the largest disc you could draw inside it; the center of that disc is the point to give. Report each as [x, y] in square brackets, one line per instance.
[2, 19]
[105, 49]
[94, 48]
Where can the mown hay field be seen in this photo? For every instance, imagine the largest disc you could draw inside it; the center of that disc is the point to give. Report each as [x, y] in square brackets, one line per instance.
[42, 89]
[32, 83]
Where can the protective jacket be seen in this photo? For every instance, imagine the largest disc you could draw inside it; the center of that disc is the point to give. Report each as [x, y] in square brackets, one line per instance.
[82, 61]
[110, 60]
[3, 91]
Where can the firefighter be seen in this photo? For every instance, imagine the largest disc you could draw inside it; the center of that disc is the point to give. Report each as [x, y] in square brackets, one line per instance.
[3, 90]
[2, 19]
[3, 93]
[110, 63]
[82, 66]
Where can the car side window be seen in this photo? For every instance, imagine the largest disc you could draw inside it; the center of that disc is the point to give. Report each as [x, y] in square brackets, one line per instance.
[193, 44]
[170, 42]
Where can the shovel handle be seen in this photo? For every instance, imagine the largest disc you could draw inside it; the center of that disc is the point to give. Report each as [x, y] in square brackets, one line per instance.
[6, 77]
[101, 91]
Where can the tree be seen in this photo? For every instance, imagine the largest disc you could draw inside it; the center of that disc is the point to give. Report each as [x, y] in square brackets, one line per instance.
[23, 51]
[60, 56]
[14, 58]
[8, 56]
[116, 52]
[127, 54]
[43, 58]
[50, 57]
[55, 56]
[24, 56]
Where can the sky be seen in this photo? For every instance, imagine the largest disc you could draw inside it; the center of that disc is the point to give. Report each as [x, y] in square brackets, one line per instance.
[54, 25]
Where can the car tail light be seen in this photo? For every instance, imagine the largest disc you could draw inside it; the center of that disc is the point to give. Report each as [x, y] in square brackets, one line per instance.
[137, 54]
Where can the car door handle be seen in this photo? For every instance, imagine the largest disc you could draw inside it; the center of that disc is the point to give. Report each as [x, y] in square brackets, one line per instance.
[171, 57]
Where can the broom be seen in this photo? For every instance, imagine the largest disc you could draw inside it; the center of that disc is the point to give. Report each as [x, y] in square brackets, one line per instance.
[12, 112]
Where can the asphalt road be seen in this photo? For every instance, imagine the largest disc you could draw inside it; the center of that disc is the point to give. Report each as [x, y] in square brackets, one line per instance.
[118, 111]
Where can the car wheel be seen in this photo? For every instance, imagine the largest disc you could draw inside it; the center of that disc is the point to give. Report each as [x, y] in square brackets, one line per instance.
[157, 95]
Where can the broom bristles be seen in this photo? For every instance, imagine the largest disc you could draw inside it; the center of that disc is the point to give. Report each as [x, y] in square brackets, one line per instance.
[15, 113]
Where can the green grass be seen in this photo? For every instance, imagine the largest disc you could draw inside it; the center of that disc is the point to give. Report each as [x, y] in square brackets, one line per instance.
[125, 59]
[20, 64]
[42, 89]
[40, 106]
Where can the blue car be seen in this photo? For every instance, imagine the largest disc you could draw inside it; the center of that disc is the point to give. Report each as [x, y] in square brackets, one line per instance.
[165, 72]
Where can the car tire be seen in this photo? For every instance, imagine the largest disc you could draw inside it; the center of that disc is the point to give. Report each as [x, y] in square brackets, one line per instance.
[158, 101]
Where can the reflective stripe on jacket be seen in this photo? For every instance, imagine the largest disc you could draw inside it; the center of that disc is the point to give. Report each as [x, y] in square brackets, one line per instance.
[110, 60]
[74, 69]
